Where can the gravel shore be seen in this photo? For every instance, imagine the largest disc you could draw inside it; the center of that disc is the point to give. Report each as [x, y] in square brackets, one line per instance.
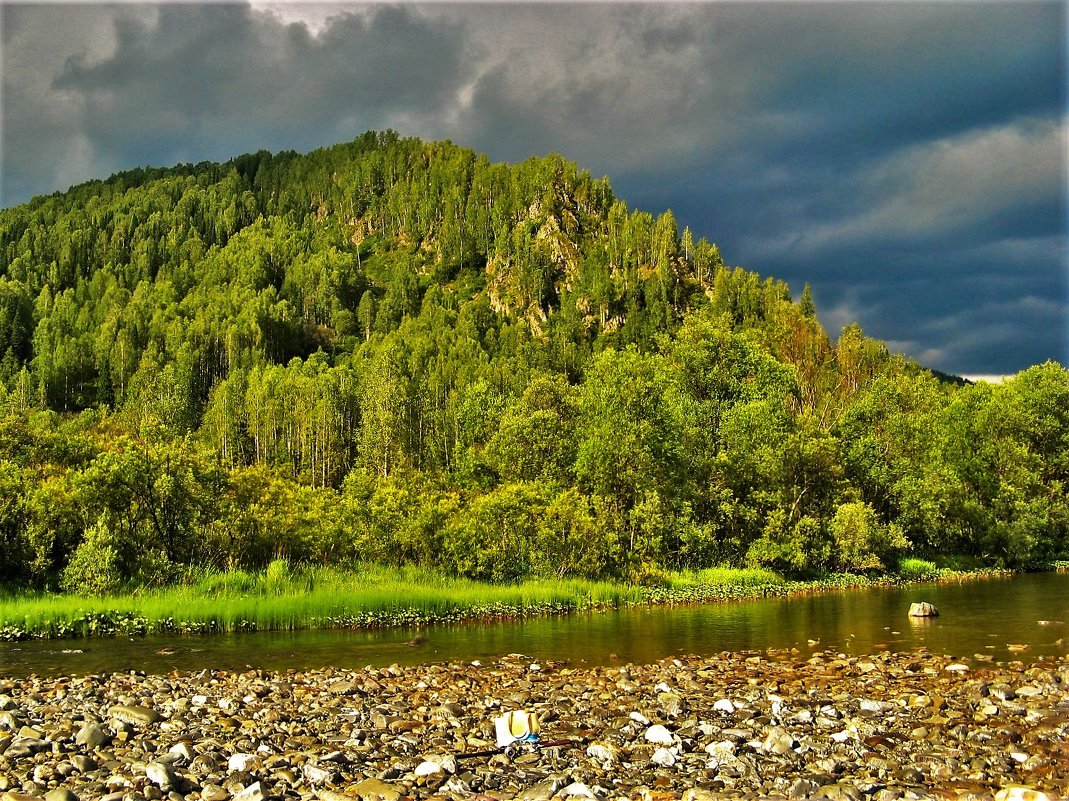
[778, 724]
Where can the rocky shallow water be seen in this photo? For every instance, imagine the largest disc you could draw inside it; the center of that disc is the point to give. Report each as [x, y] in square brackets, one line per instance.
[738, 725]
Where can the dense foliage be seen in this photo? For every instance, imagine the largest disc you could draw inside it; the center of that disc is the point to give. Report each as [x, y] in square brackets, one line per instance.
[398, 352]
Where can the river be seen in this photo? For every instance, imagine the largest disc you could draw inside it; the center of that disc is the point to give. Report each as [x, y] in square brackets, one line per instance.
[1008, 618]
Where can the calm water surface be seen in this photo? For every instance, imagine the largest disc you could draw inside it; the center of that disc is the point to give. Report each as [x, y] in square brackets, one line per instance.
[979, 617]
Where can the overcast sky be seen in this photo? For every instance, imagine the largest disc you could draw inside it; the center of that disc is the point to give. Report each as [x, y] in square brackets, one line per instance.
[907, 159]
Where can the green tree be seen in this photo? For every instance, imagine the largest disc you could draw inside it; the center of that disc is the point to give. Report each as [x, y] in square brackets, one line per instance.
[861, 541]
[630, 441]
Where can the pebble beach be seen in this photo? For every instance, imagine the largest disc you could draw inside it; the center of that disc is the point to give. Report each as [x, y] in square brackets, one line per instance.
[770, 724]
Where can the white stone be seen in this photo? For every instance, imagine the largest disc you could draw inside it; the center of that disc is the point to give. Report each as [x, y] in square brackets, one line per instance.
[242, 762]
[659, 735]
[446, 762]
[576, 790]
[602, 752]
[663, 757]
[184, 750]
[777, 741]
[316, 774]
[724, 748]
[91, 736]
[638, 717]
[427, 768]
[922, 609]
[724, 705]
[116, 782]
[161, 775]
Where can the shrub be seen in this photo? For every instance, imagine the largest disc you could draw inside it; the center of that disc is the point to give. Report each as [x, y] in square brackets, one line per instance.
[862, 542]
[648, 574]
[798, 550]
[94, 569]
[916, 569]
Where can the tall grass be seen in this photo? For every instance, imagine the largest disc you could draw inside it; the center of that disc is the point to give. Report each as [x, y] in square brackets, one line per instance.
[912, 568]
[281, 598]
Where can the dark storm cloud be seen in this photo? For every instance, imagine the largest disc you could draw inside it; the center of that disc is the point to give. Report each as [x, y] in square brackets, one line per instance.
[195, 82]
[908, 159]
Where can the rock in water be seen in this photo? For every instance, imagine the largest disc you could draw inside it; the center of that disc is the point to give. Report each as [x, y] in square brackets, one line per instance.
[923, 609]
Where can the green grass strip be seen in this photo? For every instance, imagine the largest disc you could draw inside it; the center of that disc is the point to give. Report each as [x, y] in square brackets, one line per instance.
[282, 599]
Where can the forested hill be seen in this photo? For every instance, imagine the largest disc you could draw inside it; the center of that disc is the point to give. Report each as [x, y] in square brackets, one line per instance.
[398, 351]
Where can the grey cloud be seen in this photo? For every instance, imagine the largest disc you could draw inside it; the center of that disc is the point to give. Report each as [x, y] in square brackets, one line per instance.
[195, 82]
[973, 186]
[43, 146]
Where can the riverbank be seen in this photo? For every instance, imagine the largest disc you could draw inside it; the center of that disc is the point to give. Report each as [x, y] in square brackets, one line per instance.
[774, 724]
[280, 599]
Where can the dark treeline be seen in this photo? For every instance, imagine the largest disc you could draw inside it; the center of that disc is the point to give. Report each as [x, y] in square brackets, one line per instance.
[396, 351]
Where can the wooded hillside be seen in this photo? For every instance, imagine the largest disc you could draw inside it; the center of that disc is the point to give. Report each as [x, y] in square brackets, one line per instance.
[398, 351]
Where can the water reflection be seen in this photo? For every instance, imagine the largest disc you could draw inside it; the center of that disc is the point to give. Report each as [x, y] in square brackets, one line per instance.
[1017, 617]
